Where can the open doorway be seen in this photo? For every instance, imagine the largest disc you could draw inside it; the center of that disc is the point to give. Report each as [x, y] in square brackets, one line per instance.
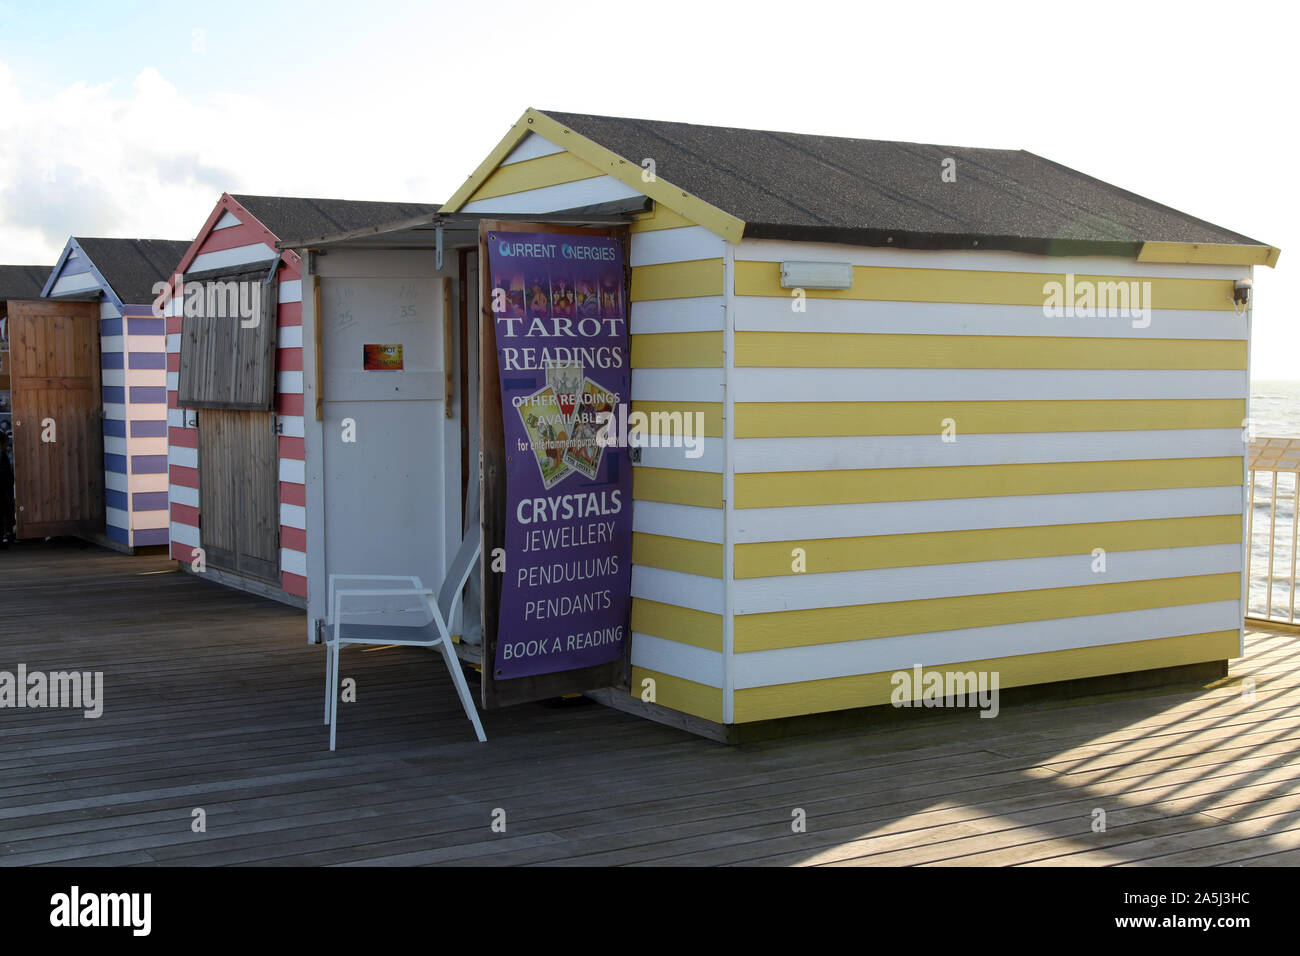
[405, 439]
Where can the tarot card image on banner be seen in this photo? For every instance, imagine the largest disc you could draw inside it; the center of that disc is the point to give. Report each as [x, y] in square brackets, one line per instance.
[538, 288]
[611, 297]
[561, 296]
[566, 380]
[586, 298]
[548, 433]
[584, 452]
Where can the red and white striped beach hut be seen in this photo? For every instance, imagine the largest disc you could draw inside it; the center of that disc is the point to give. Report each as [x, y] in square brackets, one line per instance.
[237, 498]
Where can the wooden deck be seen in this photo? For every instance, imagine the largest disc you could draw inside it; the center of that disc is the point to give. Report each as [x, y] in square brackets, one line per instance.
[213, 699]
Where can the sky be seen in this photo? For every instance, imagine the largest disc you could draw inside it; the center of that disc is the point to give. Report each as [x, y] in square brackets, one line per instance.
[131, 119]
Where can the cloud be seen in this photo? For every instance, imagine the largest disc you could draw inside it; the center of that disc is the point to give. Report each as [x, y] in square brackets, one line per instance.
[139, 158]
[111, 159]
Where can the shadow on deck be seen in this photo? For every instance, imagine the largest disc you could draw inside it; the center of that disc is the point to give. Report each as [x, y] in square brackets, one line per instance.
[213, 700]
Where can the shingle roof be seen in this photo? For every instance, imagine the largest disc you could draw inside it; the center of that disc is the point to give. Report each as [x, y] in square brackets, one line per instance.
[23, 282]
[133, 266]
[292, 218]
[827, 188]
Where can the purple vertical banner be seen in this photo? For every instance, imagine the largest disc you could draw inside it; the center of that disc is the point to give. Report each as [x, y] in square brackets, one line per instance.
[562, 350]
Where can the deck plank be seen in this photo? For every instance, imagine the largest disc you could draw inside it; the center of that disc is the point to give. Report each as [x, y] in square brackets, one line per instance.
[213, 699]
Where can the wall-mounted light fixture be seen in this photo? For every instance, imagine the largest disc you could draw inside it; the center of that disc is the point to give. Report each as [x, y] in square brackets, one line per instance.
[816, 275]
[1241, 292]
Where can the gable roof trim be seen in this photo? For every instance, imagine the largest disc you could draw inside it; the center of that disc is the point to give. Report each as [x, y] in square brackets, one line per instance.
[625, 170]
[226, 204]
[72, 249]
[1206, 253]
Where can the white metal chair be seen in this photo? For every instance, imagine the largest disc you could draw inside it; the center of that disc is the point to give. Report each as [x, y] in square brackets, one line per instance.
[429, 619]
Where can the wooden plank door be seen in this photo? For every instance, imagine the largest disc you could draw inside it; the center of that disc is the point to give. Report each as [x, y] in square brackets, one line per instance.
[58, 425]
[239, 503]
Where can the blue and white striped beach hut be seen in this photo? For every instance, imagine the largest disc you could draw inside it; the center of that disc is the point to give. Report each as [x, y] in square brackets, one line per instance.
[121, 274]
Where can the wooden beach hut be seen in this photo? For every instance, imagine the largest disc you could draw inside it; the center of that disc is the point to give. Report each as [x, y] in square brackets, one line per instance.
[16, 282]
[235, 414]
[95, 350]
[965, 411]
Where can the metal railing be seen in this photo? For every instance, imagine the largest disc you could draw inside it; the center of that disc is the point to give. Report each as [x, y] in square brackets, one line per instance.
[1274, 476]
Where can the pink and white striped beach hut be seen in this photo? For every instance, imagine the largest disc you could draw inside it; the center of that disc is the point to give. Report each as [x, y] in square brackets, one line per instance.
[237, 497]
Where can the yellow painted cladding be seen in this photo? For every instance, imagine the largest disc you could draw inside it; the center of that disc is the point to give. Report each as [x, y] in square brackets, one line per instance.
[782, 489]
[553, 170]
[677, 693]
[821, 419]
[682, 624]
[1209, 253]
[865, 690]
[859, 350]
[894, 284]
[676, 280]
[677, 350]
[772, 558]
[829, 625]
[677, 554]
[696, 488]
[712, 412]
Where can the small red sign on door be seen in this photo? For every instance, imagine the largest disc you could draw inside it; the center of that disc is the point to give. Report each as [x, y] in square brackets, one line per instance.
[382, 358]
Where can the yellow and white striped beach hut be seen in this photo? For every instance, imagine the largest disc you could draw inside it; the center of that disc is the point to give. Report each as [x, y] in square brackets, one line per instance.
[965, 410]
[963, 406]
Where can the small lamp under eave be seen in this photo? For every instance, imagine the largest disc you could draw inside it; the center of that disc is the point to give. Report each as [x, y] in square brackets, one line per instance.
[816, 275]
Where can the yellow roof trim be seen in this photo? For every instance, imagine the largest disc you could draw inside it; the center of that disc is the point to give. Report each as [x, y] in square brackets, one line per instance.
[659, 218]
[608, 163]
[1209, 253]
[488, 166]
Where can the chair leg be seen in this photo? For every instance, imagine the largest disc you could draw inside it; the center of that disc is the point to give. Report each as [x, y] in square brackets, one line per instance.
[334, 696]
[329, 679]
[458, 678]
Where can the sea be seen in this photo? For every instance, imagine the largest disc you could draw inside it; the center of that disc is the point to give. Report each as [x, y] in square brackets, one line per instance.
[1274, 413]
